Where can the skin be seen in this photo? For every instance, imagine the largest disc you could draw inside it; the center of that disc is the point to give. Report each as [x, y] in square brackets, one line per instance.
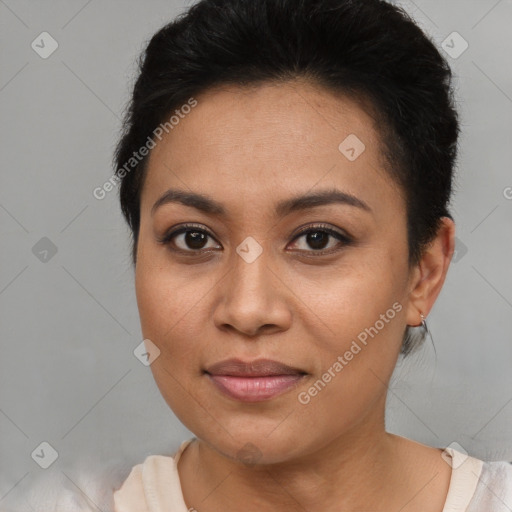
[249, 148]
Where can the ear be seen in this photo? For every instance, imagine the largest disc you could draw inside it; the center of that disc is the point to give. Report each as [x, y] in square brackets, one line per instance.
[428, 276]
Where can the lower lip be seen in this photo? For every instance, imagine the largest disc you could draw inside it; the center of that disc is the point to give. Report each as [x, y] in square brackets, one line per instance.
[254, 389]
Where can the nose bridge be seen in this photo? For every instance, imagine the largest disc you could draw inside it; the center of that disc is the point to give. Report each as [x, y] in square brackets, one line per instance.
[250, 296]
[251, 262]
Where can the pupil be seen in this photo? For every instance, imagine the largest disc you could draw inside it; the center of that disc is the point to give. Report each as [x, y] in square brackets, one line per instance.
[195, 239]
[317, 239]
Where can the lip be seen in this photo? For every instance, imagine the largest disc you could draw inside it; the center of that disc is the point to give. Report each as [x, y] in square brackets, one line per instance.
[257, 368]
[255, 381]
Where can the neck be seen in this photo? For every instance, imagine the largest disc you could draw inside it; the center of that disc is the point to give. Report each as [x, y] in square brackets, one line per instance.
[360, 470]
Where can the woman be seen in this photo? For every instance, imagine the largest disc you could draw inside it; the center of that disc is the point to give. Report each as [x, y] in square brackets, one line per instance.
[286, 170]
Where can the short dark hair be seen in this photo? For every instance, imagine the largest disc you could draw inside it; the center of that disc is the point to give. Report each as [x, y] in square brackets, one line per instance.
[368, 50]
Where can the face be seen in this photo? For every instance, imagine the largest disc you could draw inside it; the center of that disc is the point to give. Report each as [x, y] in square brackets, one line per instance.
[320, 285]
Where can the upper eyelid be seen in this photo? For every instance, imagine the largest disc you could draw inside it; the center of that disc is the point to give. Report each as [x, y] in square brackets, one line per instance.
[320, 226]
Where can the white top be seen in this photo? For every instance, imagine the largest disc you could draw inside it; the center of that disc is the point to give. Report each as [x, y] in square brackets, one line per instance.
[475, 485]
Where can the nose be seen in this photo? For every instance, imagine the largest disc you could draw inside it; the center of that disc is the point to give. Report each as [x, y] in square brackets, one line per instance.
[253, 298]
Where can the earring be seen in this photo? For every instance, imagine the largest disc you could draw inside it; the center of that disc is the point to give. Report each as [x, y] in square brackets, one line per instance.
[415, 336]
[423, 324]
[427, 332]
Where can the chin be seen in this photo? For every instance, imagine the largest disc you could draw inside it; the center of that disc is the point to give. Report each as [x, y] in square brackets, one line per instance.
[252, 446]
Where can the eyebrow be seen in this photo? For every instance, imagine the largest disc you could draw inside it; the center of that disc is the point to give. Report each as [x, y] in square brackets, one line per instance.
[208, 205]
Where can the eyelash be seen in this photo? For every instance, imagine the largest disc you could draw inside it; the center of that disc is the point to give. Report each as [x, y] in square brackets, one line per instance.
[167, 237]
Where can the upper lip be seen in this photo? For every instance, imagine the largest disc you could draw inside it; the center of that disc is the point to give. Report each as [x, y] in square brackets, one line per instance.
[256, 368]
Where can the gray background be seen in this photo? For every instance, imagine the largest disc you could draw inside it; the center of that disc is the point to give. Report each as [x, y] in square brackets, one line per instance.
[69, 325]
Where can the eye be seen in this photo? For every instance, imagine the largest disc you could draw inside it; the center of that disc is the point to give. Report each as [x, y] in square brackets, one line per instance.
[189, 238]
[192, 239]
[317, 238]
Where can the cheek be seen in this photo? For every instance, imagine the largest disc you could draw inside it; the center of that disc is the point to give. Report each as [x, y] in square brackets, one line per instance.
[165, 320]
[362, 319]
[351, 298]
[165, 296]
[152, 300]
[358, 353]
[173, 310]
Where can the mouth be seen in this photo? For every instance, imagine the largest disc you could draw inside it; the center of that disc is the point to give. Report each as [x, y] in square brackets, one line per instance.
[254, 381]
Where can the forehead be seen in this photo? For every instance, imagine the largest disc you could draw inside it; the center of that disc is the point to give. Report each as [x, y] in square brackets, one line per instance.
[244, 141]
